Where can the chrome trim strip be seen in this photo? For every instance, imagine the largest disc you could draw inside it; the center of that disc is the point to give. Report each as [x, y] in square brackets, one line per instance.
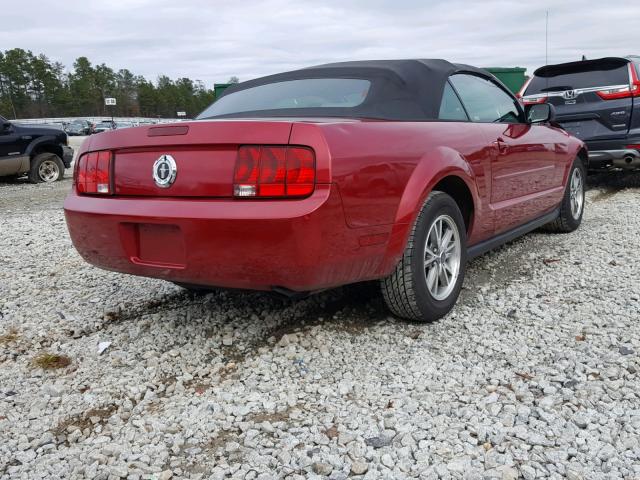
[613, 154]
[571, 94]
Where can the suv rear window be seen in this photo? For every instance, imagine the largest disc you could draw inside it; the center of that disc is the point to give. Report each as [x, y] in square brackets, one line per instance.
[293, 94]
[586, 74]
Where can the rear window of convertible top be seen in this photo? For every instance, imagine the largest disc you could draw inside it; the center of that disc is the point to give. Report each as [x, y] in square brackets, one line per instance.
[293, 94]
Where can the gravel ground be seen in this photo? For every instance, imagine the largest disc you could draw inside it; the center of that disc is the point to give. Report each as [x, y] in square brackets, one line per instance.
[533, 375]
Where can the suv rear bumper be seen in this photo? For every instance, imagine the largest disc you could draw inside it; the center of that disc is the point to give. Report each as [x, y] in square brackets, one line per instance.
[623, 158]
[613, 154]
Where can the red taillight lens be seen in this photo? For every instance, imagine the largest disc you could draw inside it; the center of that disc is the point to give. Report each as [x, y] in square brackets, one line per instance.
[633, 90]
[612, 94]
[529, 100]
[273, 171]
[533, 101]
[93, 173]
[523, 89]
[301, 171]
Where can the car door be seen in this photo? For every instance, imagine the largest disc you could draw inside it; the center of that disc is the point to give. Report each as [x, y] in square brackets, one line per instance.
[11, 158]
[524, 173]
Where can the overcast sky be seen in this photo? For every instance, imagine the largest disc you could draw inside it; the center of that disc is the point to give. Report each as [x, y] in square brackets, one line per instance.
[213, 40]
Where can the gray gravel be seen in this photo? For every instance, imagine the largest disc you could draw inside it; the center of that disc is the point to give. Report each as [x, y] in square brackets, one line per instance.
[533, 375]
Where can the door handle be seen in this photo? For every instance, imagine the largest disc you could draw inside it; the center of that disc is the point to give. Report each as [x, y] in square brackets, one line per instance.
[503, 147]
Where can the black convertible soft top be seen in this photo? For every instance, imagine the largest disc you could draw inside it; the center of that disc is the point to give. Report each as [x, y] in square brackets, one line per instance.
[400, 89]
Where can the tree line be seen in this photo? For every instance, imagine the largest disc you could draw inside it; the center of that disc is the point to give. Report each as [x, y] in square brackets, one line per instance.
[33, 86]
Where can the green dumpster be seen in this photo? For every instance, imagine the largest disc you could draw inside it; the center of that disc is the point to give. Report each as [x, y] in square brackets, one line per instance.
[512, 77]
[218, 88]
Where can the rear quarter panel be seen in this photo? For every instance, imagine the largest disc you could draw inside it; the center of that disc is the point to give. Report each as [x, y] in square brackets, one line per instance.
[385, 170]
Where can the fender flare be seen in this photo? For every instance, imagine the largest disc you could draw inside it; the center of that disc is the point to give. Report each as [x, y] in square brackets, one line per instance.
[434, 165]
[578, 150]
[43, 140]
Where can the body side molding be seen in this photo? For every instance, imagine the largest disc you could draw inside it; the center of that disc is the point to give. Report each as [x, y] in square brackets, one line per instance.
[486, 245]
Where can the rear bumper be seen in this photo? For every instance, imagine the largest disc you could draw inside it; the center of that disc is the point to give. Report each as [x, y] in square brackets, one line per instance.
[300, 245]
[623, 158]
[613, 153]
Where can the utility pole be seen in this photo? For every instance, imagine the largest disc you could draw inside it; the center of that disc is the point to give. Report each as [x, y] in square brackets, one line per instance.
[546, 44]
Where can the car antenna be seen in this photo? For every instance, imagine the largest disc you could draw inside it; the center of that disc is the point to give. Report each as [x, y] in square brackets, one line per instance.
[546, 39]
[546, 44]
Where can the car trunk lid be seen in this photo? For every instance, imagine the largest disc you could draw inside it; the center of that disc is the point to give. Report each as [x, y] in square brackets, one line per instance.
[204, 153]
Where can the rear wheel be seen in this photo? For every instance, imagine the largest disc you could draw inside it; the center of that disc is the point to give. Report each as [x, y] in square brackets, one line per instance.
[426, 282]
[47, 168]
[572, 206]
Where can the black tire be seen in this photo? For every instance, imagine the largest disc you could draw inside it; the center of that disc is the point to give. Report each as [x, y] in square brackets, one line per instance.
[567, 221]
[405, 291]
[54, 170]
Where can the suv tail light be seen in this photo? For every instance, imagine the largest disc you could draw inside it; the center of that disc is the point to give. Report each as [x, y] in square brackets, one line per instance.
[274, 171]
[632, 90]
[520, 93]
[92, 173]
[533, 101]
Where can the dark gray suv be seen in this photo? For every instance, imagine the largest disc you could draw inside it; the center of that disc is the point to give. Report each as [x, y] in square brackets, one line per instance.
[597, 101]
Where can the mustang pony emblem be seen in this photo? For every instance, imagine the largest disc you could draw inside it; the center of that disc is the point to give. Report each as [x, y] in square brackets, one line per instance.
[165, 171]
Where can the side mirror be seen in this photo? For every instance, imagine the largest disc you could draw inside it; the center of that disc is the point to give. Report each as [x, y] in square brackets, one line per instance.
[540, 113]
[5, 126]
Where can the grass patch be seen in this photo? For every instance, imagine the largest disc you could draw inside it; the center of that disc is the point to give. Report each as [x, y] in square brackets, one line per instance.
[50, 361]
[10, 336]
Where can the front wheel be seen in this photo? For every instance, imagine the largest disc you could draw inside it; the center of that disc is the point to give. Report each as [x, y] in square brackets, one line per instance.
[572, 206]
[426, 282]
[47, 168]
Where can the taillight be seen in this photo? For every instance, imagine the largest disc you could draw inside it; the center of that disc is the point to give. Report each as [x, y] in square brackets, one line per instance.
[632, 90]
[520, 93]
[92, 173]
[274, 171]
[533, 101]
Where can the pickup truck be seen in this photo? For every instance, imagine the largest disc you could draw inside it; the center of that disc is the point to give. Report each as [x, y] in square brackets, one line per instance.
[41, 153]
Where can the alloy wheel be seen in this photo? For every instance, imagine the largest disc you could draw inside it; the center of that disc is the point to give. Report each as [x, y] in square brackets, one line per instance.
[576, 193]
[442, 252]
[48, 171]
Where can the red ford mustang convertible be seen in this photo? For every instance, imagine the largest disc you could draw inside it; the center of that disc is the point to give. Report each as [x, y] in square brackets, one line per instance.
[393, 170]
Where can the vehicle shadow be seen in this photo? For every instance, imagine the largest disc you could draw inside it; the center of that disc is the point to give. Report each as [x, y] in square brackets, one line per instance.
[610, 183]
[352, 308]
[13, 180]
